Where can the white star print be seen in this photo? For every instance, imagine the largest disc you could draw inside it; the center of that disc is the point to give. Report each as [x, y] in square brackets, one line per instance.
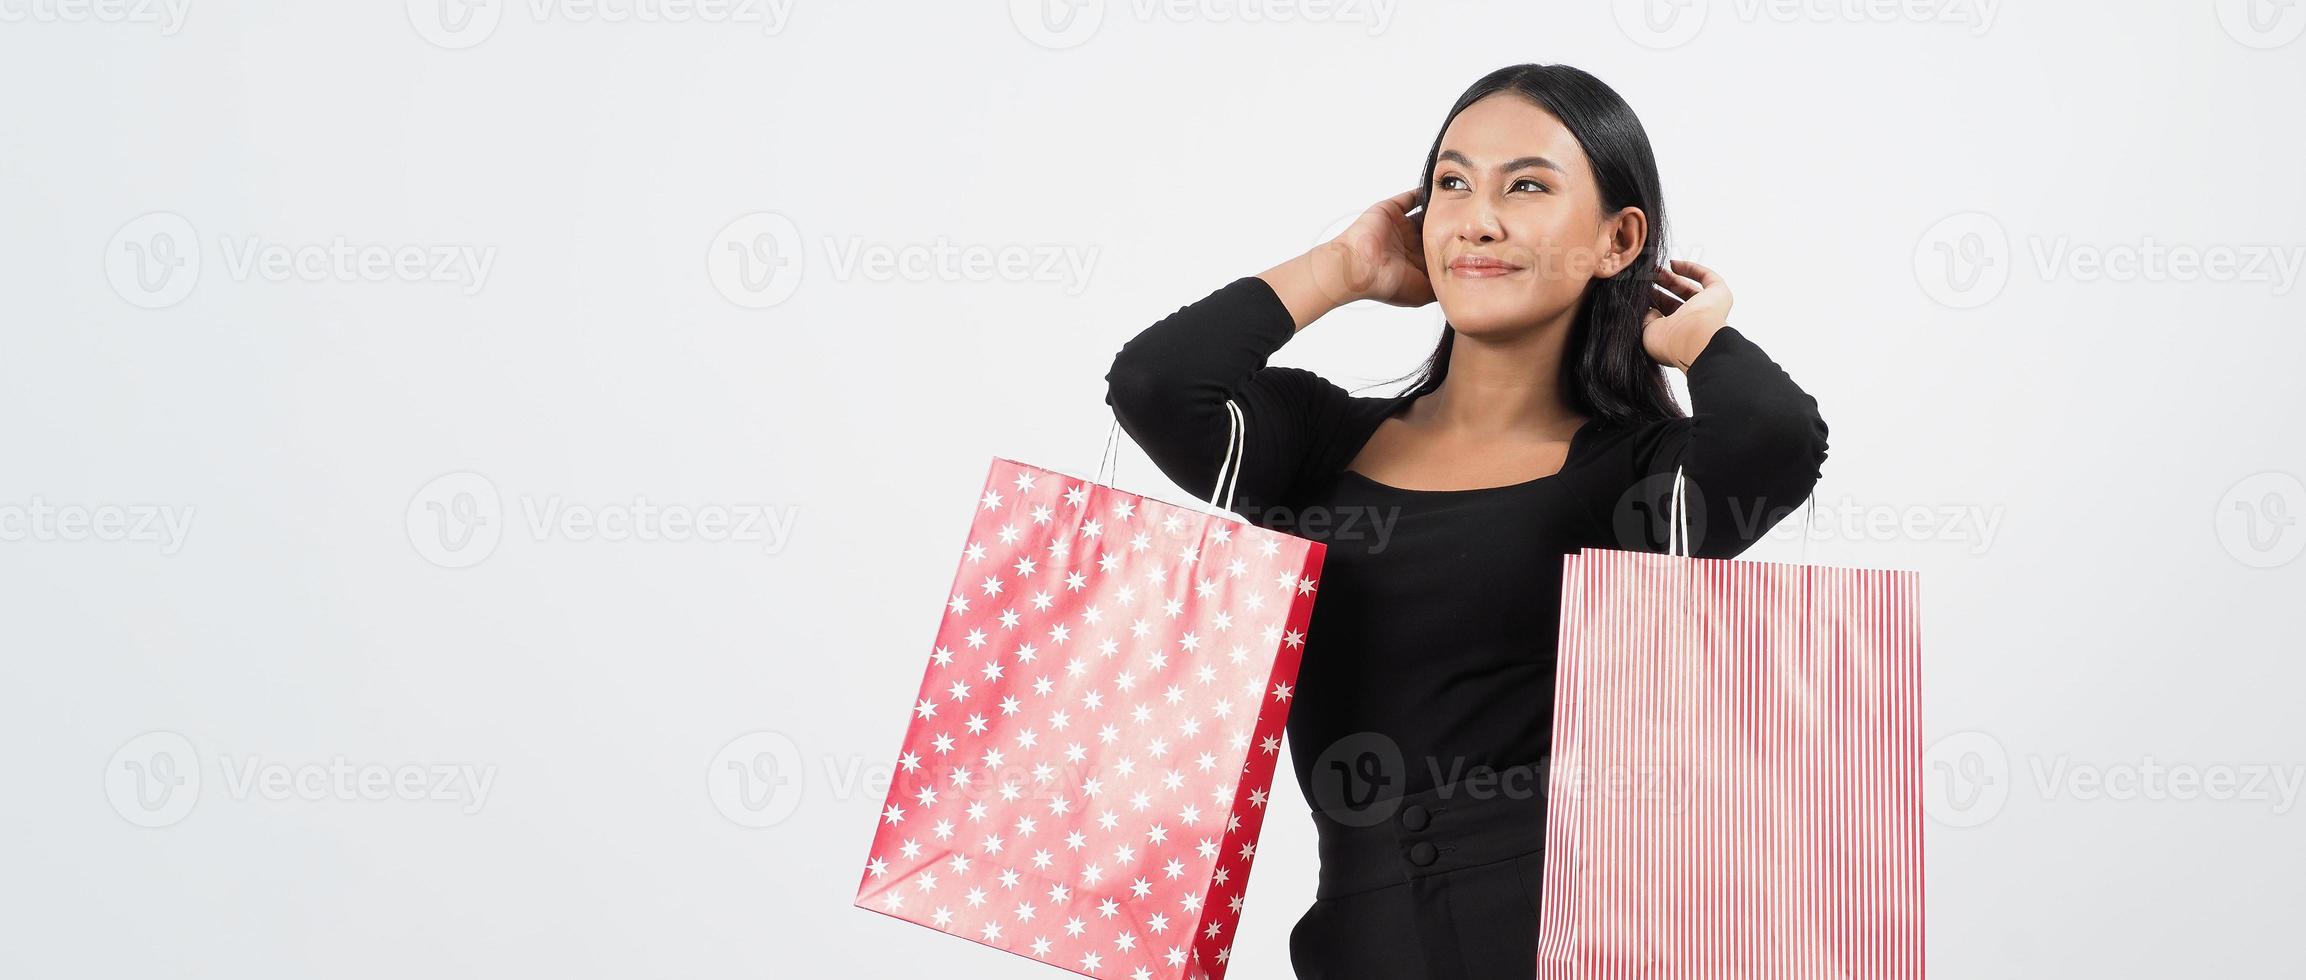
[1184, 645]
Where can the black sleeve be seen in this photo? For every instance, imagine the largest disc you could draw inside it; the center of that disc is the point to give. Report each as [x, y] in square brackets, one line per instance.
[1751, 451]
[1169, 384]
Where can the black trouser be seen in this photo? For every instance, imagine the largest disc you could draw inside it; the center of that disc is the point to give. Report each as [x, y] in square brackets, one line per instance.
[1433, 885]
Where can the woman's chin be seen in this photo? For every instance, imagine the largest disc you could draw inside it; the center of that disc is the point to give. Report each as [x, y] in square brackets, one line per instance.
[1487, 318]
[1493, 308]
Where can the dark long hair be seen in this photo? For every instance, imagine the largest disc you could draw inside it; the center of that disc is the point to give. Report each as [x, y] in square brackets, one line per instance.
[1607, 373]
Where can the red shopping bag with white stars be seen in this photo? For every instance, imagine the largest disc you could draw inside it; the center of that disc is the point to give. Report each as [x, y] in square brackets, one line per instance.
[1087, 762]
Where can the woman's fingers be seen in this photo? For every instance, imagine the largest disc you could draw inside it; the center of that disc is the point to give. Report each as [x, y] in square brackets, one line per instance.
[1690, 268]
[1663, 300]
[1700, 274]
[1680, 286]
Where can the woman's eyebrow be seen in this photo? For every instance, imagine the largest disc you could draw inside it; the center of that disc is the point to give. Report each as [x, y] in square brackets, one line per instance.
[1517, 163]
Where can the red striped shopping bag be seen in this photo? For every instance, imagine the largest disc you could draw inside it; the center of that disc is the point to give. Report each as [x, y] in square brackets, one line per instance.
[1736, 777]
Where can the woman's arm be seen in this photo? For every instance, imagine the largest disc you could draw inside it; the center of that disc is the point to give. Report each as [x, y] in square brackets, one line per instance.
[1750, 452]
[1169, 384]
[1754, 445]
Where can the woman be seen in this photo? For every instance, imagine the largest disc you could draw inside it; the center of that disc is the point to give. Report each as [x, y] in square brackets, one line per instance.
[1542, 424]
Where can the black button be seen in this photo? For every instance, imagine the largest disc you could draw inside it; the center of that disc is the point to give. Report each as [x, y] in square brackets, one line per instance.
[1415, 817]
[1423, 853]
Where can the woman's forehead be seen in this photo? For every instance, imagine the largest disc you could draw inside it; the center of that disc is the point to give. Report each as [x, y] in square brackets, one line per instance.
[1505, 132]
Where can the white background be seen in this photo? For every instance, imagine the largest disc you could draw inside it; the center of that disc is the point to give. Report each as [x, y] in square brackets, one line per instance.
[2128, 437]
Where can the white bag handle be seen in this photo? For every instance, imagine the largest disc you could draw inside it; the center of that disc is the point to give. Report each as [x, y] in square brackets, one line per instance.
[1677, 528]
[1677, 524]
[1236, 444]
[1677, 534]
[1228, 468]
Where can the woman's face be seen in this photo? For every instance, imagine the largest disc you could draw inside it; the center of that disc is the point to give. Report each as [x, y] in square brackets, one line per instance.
[1511, 184]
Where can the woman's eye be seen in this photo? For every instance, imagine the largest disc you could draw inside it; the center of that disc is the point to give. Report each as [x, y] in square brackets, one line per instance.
[1451, 182]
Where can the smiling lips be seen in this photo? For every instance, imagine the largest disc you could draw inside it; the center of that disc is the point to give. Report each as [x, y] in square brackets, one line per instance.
[1481, 267]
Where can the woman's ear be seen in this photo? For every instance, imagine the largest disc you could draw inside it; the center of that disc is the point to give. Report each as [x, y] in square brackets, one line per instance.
[1623, 235]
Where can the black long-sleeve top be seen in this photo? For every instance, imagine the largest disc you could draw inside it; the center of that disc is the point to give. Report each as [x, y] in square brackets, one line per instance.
[1435, 627]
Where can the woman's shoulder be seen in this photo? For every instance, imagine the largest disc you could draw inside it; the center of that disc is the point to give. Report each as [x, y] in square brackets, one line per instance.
[1607, 432]
[1316, 395]
[1622, 448]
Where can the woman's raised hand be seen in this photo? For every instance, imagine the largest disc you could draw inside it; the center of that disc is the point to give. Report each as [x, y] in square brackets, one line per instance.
[1689, 304]
[1381, 256]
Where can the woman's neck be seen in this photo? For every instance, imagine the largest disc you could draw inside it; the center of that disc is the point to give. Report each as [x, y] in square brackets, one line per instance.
[1504, 386]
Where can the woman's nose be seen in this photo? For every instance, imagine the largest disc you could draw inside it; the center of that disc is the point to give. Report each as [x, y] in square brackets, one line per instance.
[1481, 226]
